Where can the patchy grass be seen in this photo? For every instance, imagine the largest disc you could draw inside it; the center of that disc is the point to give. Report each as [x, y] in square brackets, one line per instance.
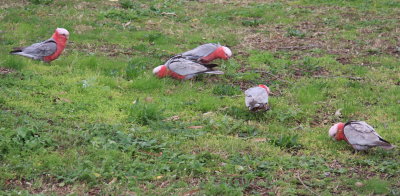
[96, 121]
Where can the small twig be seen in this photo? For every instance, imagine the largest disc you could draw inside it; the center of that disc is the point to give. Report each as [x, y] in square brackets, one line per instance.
[230, 95]
[298, 177]
[298, 47]
[169, 13]
[348, 77]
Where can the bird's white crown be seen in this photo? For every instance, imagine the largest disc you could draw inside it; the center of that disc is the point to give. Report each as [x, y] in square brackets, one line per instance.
[157, 69]
[227, 51]
[333, 130]
[62, 31]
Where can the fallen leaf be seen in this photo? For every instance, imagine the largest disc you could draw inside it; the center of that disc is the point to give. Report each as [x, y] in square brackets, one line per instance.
[126, 24]
[159, 177]
[172, 118]
[259, 139]
[208, 114]
[359, 184]
[113, 181]
[96, 174]
[195, 127]
[148, 99]
[338, 113]
[192, 192]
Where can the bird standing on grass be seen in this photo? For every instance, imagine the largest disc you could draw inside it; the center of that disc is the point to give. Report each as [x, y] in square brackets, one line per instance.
[359, 134]
[257, 98]
[48, 50]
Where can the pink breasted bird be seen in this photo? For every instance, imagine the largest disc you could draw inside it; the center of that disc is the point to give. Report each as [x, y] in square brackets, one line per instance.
[181, 68]
[257, 98]
[207, 53]
[48, 50]
[359, 134]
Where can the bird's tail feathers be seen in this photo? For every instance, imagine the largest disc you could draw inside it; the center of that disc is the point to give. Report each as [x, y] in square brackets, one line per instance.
[214, 72]
[388, 147]
[16, 50]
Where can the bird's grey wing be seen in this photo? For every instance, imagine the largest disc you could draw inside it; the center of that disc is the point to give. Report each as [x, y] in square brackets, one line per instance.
[41, 49]
[361, 134]
[184, 67]
[256, 95]
[200, 51]
[259, 94]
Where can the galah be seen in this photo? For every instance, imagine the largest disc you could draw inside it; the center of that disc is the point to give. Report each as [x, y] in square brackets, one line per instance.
[207, 53]
[48, 50]
[181, 68]
[359, 134]
[257, 98]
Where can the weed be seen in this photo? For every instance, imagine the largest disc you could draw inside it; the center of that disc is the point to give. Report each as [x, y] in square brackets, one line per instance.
[144, 113]
[291, 32]
[136, 67]
[128, 4]
[287, 141]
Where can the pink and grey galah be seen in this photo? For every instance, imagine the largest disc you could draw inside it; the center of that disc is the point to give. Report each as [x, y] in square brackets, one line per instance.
[48, 50]
[207, 53]
[193, 62]
[359, 134]
[257, 98]
[183, 69]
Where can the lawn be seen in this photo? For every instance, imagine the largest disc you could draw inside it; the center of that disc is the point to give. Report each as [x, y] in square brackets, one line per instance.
[97, 122]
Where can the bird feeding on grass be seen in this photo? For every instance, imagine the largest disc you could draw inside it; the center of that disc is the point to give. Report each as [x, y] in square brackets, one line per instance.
[207, 52]
[359, 134]
[183, 69]
[257, 98]
[48, 50]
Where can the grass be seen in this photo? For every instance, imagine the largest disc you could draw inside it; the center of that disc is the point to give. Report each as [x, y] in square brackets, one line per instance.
[96, 121]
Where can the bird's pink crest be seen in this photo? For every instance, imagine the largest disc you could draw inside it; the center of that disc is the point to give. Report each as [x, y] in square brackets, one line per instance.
[265, 87]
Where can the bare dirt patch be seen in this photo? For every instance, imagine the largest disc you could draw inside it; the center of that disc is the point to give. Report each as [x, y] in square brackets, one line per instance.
[316, 34]
[107, 49]
[4, 71]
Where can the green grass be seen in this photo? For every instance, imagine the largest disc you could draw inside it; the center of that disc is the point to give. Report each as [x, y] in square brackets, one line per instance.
[97, 121]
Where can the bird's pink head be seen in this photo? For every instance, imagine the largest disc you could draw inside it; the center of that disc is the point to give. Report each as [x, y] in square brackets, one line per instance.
[265, 87]
[61, 35]
[222, 53]
[336, 131]
[160, 71]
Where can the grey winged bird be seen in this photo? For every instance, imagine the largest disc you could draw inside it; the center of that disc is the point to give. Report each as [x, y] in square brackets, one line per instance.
[48, 50]
[193, 62]
[207, 52]
[257, 98]
[181, 68]
[359, 134]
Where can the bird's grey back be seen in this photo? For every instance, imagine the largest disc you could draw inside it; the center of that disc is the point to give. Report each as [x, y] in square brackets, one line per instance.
[200, 51]
[362, 136]
[40, 50]
[256, 95]
[184, 66]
